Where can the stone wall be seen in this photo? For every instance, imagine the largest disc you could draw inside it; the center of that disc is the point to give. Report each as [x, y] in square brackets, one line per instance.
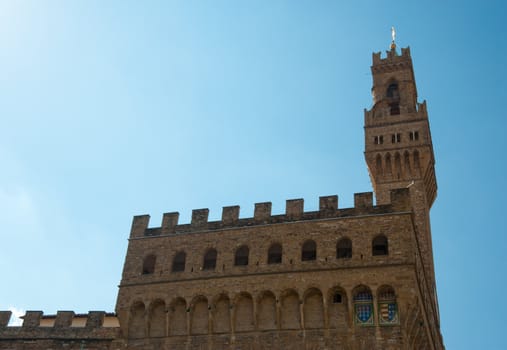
[61, 335]
[263, 305]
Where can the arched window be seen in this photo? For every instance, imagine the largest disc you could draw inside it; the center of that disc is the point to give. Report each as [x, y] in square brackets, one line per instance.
[389, 168]
[397, 165]
[378, 165]
[157, 319]
[241, 257]
[408, 170]
[393, 92]
[275, 254]
[393, 95]
[337, 308]
[363, 306]
[344, 248]
[136, 326]
[417, 163]
[210, 259]
[387, 306]
[179, 262]
[380, 245]
[337, 297]
[309, 251]
[149, 264]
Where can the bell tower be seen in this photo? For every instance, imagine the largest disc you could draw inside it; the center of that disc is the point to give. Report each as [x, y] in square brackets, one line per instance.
[398, 146]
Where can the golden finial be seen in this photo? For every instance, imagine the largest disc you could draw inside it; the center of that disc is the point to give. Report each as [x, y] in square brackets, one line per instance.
[393, 35]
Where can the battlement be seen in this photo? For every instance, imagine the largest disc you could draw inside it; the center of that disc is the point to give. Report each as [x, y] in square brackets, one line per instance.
[65, 325]
[392, 56]
[62, 319]
[294, 211]
[374, 115]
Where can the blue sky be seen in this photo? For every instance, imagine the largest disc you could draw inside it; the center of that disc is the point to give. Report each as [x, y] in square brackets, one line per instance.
[118, 108]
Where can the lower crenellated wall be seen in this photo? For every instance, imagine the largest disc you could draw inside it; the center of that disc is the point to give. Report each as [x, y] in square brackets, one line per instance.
[35, 334]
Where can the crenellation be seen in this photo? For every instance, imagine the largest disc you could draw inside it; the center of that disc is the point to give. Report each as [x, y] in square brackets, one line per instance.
[5, 317]
[64, 319]
[199, 218]
[37, 320]
[139, 225]
[294, 209]
[328, 205]
[95, 319]
[363, 200]
[391, 56]
[169, 222]
[262, 212]
[32, 319]
[230, 215]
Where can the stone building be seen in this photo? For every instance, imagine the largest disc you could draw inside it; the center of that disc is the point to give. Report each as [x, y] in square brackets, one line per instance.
[336, 278]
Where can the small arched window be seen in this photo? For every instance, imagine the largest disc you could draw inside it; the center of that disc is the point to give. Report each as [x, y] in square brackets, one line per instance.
[387, 306]
[179, 262]
[149, 264]
[389, 167]
[417, 163]
[380, 245]
[378, 165]
[363, 306]
[210, 259]
[275, 254]
[393, 92]
[344, 248]
[241, 256]
[337, 298]
[393, 95]
[309, 251]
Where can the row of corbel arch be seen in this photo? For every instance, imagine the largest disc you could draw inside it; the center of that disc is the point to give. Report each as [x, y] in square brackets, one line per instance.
[399, 165]
[245, 312]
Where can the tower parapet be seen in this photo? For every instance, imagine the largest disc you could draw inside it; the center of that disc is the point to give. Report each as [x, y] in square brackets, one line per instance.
[391, 57]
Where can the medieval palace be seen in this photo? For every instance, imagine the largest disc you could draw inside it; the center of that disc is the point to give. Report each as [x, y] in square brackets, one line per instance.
[358, 278]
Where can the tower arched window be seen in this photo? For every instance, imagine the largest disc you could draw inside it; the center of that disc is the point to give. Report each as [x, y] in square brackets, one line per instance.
[241, 256]
[393, 96]
[275, 254]
[378, 164]
[387, 306]
[380, 245]
[363, 306]
[344, 248]
[417, 163]
[393, 92]
[210, 259]
[179, 262]
[408, 168]
[309, 251]
[149, 264]
[389, 167]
